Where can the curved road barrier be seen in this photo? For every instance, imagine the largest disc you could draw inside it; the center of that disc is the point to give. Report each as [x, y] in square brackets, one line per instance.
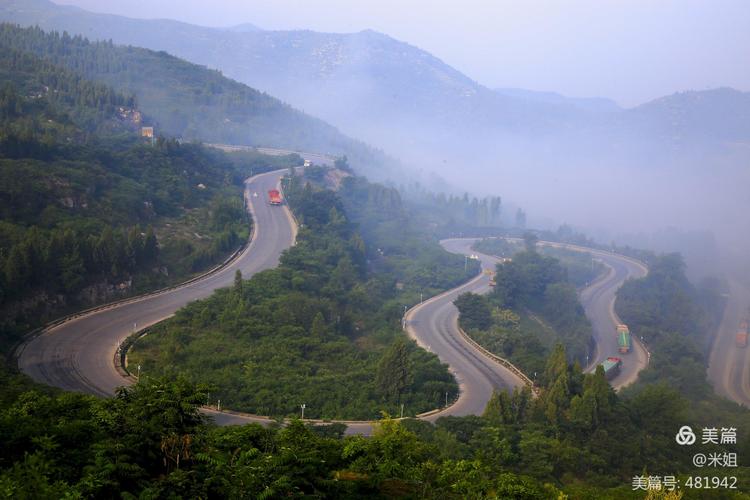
[510, 366]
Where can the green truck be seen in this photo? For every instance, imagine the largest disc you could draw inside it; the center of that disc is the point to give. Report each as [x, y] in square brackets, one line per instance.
[623, 339]
[611, 367]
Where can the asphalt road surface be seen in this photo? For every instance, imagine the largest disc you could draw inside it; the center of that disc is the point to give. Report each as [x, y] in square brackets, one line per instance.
[434, 326]
[598, 301]
[78, 355]
[729, 365]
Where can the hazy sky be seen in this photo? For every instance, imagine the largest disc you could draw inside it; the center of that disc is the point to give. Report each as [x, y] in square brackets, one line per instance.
[629, 50]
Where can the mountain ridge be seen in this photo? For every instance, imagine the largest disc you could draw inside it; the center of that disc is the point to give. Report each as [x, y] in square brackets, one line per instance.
[408, 102]
[369, 84]
[598, 104]
[193, 102]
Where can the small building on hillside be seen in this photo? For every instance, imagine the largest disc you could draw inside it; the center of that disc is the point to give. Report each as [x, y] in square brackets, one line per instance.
[147, 132]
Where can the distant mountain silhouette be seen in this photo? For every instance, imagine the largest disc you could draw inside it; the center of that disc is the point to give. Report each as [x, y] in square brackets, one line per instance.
[393, 94]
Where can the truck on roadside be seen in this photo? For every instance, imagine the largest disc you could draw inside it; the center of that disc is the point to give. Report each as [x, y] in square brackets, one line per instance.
[274, 197]
[624, 342]
[740, 339]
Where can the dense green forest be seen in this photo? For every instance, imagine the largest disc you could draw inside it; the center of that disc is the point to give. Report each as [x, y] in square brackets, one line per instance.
[324, 328]
[39, 98]
[89, 211]
[578, 438]
[450, 213]
[675, 319]
[499, 247]
[190, 101]
[399, 241]
[532, 307]
[581, 267]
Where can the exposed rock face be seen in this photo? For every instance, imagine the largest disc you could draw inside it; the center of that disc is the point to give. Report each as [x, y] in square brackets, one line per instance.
[105, 292]
[45, 307]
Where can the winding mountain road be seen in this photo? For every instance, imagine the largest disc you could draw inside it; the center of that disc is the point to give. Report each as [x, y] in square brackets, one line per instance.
[434, 325]
[598, 300]
[78, 355]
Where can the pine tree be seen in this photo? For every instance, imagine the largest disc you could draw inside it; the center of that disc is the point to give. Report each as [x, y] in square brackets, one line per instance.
[394, 370]
[238, 284]
[133, 248]
[16, 270]
[318, 328]
[557, 364]
[150, 247]
[557, 399]
[498, 410]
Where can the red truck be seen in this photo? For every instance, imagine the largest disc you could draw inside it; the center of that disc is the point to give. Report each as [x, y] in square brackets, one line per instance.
[274, 197]
[741, 339]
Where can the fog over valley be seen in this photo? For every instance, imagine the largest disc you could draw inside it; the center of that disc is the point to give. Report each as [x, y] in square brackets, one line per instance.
[630, 174]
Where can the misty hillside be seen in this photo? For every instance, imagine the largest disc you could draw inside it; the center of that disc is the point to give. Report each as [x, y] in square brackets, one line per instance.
[189, 101]
[87, 204]
[363, 81]
[395, 95]
[597, 104]
[720, 114]
[244, 28]
[669, 155]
